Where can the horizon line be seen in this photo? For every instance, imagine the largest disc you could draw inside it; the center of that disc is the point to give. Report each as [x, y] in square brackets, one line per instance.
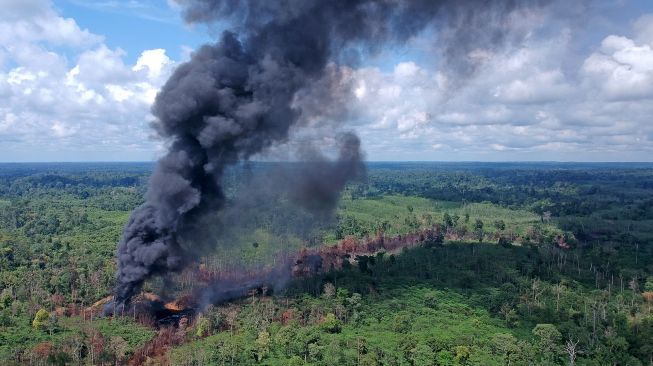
[365, 161]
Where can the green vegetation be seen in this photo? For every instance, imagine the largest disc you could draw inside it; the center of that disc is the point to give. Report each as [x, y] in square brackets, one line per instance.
[396, 215]
[542, 264]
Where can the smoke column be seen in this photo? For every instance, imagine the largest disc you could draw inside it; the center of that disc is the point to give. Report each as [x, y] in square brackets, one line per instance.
[236, 98]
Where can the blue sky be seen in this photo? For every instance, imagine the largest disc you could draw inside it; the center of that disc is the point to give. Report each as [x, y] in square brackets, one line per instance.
[135, 26]
[77, 79]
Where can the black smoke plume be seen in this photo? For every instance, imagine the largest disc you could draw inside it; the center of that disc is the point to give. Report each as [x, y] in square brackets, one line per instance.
[237, 98]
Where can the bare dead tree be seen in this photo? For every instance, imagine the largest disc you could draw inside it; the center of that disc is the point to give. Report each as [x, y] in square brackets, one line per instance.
[558, 290]
[571, 347]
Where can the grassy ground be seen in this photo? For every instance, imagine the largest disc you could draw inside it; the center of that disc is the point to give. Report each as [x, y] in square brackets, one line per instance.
[399, 211]
[362, 217]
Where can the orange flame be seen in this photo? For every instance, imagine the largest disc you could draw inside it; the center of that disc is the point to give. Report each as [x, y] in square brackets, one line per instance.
[173, 306]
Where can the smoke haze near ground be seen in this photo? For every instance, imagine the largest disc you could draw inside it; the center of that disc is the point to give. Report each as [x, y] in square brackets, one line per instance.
[238, 98]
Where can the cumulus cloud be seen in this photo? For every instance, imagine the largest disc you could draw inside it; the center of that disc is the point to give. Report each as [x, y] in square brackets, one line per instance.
[69, 106]
[533, 102]
[540, 87]
[622, 68]
[35, 20]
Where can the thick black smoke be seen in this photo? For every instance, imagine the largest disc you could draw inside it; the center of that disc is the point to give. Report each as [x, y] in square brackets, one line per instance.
[237, 98]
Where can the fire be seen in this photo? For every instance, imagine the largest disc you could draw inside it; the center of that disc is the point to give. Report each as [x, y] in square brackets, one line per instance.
[181, 303]
[100, 303]
[173, 306]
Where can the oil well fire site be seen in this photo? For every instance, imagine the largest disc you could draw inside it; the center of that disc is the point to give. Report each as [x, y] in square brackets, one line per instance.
[214, 288]
[270, 80]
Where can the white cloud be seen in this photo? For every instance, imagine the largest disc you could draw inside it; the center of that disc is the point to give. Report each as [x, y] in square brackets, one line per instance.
[155, 62]
[61, 129]
[35, 20]
[101, 66]
[85, 98]
[622, 68]
[406, 70]
[539, 101]
[540, 87]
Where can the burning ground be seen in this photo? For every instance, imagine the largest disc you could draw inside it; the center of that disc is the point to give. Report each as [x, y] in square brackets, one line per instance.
[212, 287]
[173, 317]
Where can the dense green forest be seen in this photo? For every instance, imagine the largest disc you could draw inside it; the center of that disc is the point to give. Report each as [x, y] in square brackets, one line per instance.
[535, 264]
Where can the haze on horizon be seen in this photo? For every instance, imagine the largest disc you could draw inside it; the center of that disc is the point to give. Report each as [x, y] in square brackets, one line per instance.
[77, 79]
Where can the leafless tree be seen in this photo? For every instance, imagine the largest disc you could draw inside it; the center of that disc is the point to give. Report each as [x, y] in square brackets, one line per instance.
[546, 216]
[571, 347]
[558, 290]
